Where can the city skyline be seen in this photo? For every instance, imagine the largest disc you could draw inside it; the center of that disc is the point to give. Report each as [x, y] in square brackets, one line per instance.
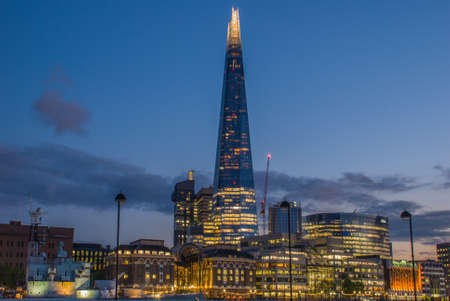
[362, 137]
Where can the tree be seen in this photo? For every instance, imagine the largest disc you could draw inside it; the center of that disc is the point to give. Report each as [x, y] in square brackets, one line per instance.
[11, 277]
[97, 275]
[349, 286]
[358, 286]
[326, 286]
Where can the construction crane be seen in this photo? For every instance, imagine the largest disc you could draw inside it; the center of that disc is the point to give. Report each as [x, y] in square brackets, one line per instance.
[263, 201]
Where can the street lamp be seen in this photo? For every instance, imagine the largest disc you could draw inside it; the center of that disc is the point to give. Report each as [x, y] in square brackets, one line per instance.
[405, 215]
[285, 204]
[120, 198]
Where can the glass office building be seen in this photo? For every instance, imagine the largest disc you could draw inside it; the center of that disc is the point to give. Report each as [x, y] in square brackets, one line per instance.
[234, 212]
[278, 218]
[358, 234]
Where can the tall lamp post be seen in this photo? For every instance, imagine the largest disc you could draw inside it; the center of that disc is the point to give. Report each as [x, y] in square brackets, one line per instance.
[120, 198]
[285, 204]
[405, 215]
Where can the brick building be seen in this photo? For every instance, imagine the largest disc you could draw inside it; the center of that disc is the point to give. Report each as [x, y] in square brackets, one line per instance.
[14, 238]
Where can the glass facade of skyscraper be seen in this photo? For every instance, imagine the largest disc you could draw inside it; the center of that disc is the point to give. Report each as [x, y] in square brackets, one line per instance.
[278, 218]
[359, 234]
[234, 213]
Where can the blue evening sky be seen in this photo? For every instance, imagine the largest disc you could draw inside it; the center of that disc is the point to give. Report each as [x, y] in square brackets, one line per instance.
[332, 86]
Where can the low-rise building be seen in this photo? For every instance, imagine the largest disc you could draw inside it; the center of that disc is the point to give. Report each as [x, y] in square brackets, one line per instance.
[271, 241]
[330, 264]
[272, 265]
[15, 237]
[443, 255]
[368, 270]
[61, 277]
[146, 267]
[218, 271]
[273, 277]
[399, 279]
[432, 278]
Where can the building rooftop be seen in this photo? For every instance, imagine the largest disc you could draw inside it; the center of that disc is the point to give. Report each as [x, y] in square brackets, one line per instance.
[226, 253]
[147, 242]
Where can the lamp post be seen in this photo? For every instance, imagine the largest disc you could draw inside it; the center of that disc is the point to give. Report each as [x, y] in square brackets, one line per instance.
[285, 204]
[405, 215]
[120, 198]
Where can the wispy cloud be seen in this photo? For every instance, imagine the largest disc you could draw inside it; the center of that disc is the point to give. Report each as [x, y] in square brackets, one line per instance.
[351, 191]
[57, 175]
[60, 175]
[64, 116]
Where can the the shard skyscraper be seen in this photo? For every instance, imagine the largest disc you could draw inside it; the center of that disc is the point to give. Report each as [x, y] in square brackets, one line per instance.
[234, 214]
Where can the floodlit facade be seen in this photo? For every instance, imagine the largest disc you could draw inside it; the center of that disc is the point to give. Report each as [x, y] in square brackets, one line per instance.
[359, 234]
[146, 268]
[234, 213]
[219, 272]
[399, 279]
[62, 277]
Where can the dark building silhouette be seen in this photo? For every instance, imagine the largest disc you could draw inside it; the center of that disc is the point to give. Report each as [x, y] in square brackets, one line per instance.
[234, 213]
[183, 198]
[203, 205]
[278, 218]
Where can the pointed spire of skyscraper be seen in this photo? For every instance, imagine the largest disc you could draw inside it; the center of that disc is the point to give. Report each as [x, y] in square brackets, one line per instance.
[234, 30]
[234, 206]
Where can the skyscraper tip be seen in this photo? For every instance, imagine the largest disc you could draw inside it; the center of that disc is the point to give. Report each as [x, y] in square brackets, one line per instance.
[234, 29]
